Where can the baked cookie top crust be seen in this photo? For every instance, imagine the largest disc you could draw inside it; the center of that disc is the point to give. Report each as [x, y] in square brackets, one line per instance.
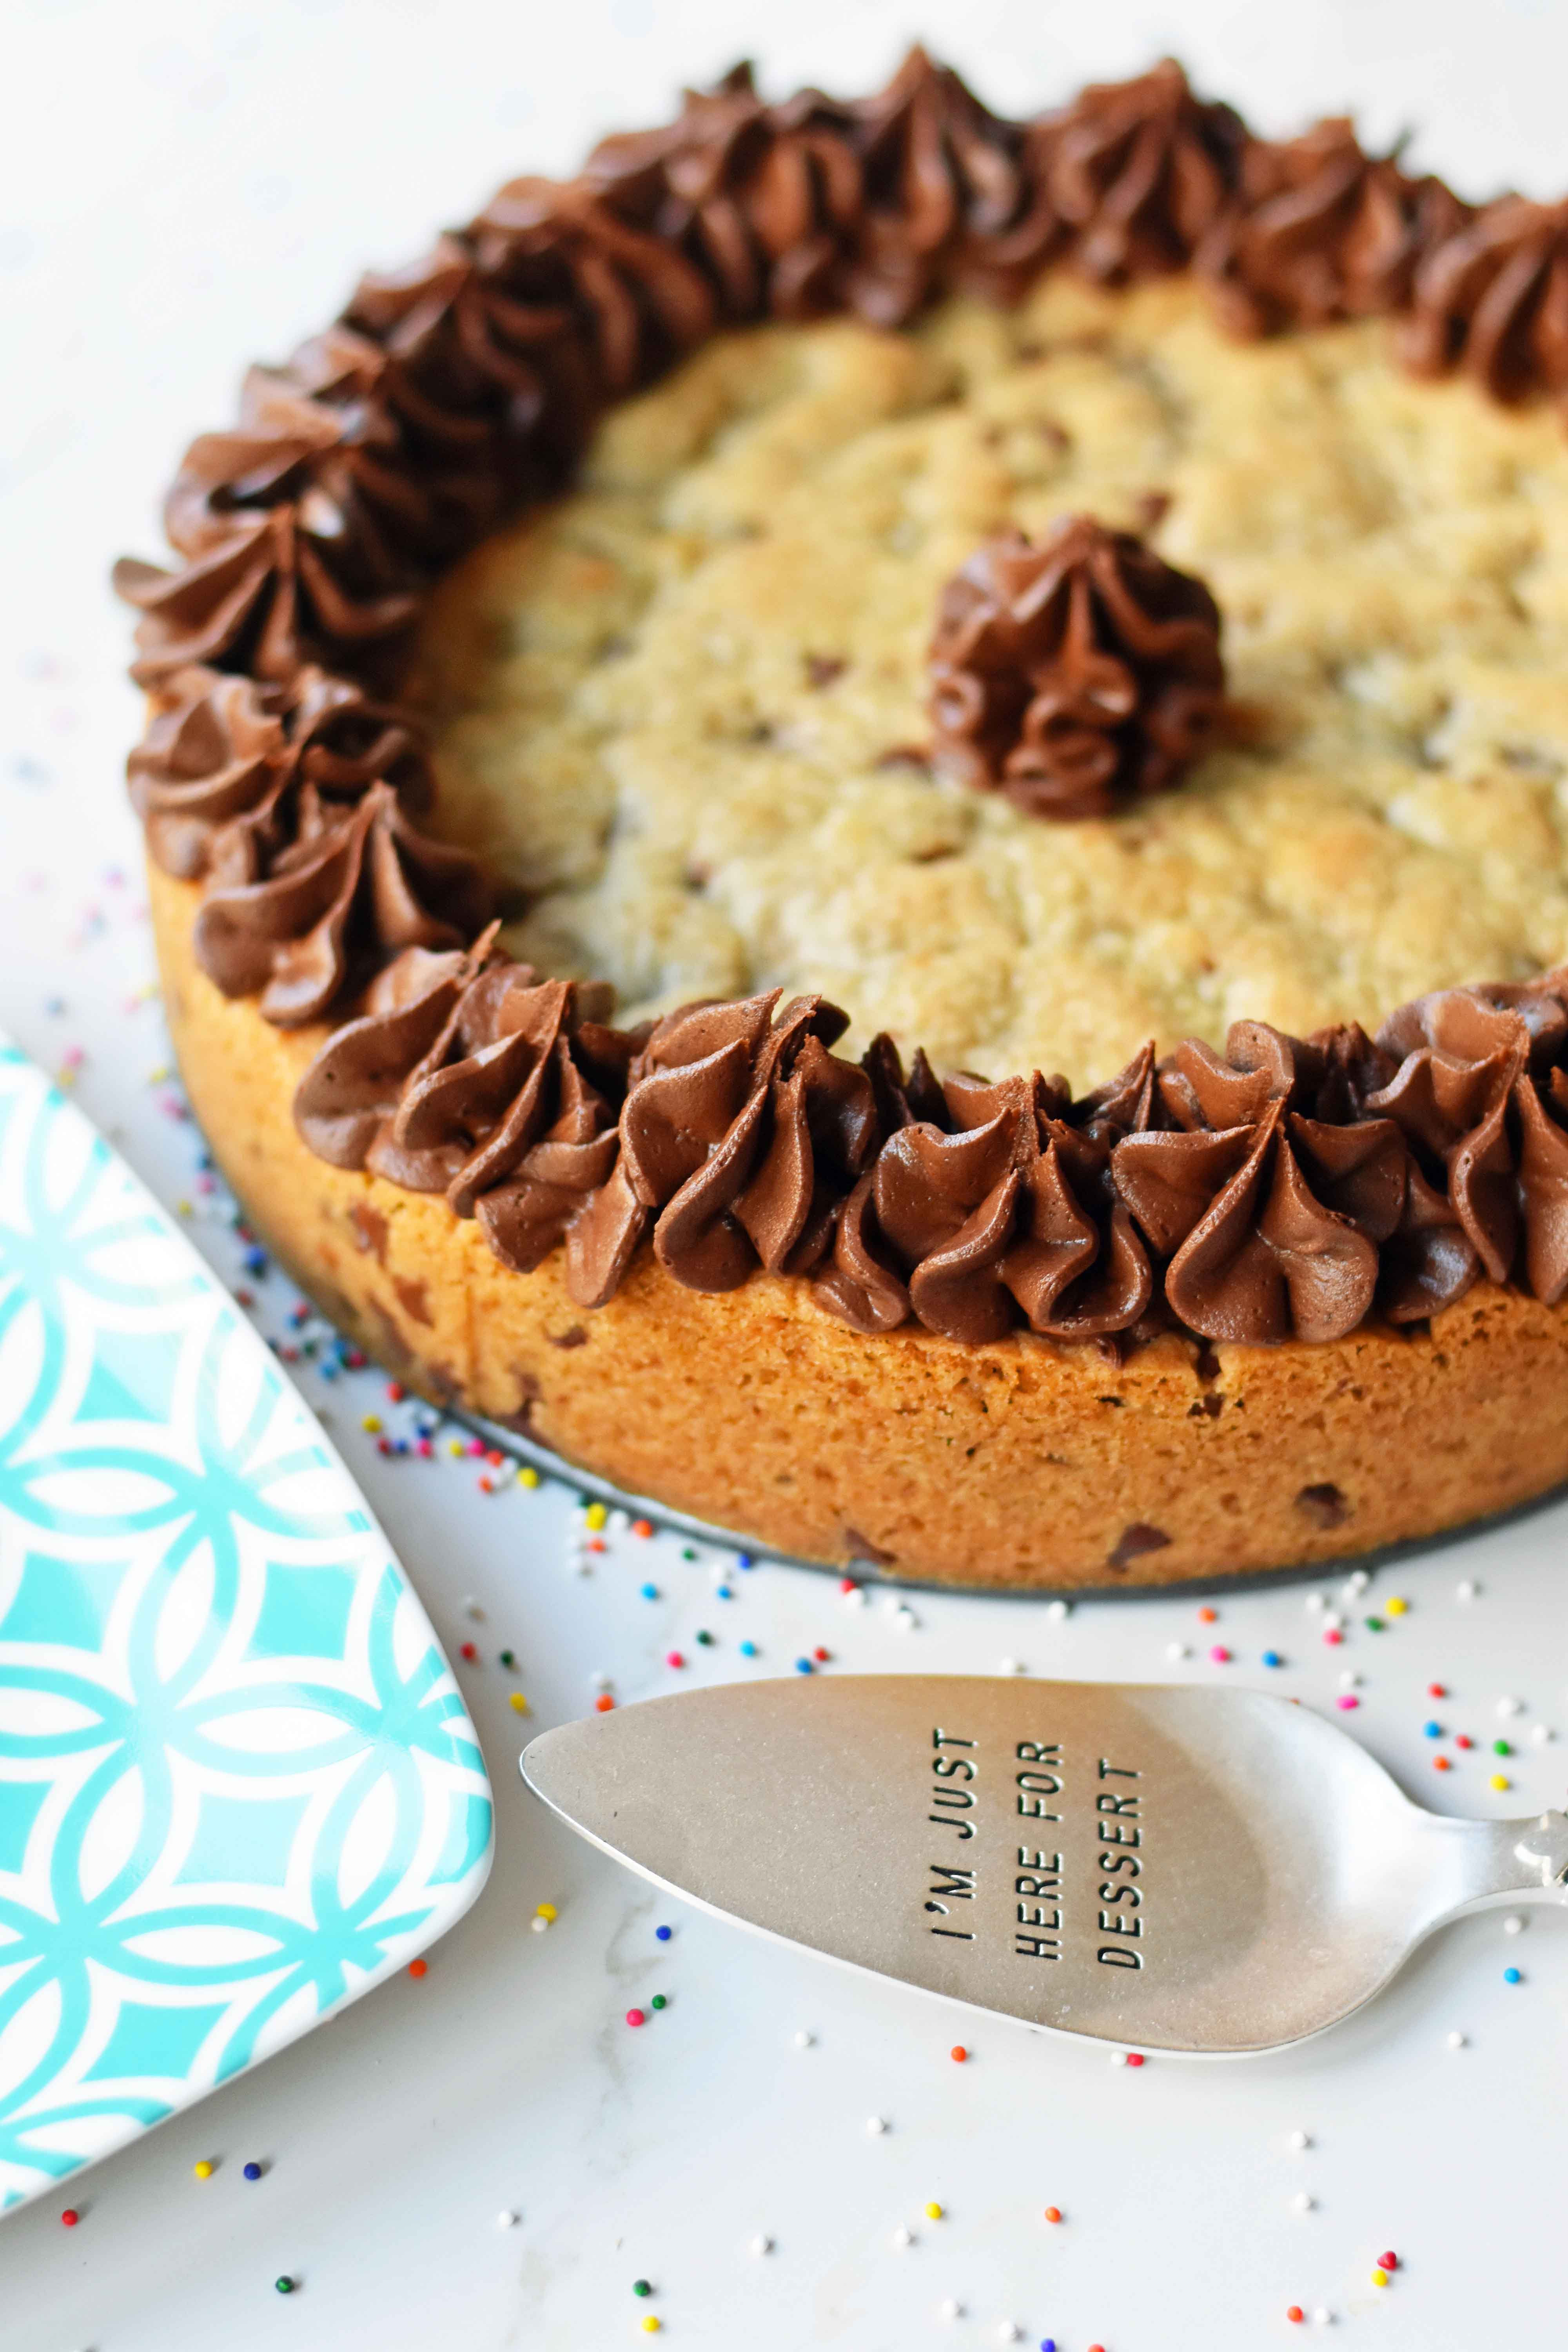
[678, 712]
[683, 710]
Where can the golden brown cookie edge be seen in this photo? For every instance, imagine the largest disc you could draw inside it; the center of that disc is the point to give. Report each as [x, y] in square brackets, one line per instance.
[1018, 1464]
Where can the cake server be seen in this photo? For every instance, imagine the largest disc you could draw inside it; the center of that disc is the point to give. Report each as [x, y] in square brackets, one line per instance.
[1190, 1871]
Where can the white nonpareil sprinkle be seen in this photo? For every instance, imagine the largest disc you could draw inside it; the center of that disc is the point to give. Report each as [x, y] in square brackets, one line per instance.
[1056, 1610]
[1009, 2332]
[802, 2039]
[875, 2126]
[601, 1681]
[1010, 1667]
[1301, 2139]
[950, 2308]
[538, 1925]
[1540, 1734]
[1350, 1679]
[902, 2237]
[906, 1620]
[1302, 2202]
[1333, 1623]
[1467, 1589]
[1513, 1925]
[1322, 2317]
[855, 1597]
[1317, 1603]
[1357, 1581]
[1176, 1650]
[1511, 1706]
[761, 2245]
[1455, 2041]
[506, 2219]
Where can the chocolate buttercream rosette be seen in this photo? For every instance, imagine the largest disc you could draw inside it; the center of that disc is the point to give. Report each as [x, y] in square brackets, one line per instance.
[1286, 1188]
[1077, 675]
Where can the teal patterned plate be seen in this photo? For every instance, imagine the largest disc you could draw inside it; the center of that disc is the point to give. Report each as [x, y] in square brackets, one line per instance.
[239, 1785]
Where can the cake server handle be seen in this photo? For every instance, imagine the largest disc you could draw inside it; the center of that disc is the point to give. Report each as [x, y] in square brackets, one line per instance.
[1479, 1864]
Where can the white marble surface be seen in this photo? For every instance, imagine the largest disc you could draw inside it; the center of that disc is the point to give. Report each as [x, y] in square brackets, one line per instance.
[183, 186]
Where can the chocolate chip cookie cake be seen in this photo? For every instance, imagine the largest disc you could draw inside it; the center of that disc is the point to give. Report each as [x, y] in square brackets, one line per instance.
[865, 818]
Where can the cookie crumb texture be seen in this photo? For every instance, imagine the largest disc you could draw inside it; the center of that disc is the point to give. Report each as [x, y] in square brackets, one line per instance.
[683, 712]
[1016, 1464]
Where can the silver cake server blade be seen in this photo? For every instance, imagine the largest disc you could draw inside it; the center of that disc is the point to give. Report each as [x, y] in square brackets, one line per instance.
[1180, 1870]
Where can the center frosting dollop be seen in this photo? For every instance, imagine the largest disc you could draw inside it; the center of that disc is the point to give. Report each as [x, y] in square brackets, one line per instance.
[1075, 675]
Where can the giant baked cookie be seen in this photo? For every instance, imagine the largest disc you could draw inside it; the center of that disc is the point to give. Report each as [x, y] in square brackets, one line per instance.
[841, 598]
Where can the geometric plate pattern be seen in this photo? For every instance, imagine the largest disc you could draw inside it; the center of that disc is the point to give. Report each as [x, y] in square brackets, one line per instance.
[239, 1785]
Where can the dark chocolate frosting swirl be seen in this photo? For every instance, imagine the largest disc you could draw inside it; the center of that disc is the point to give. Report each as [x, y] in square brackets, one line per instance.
[349, 1094]
[948, 198]
[263, 596]
[1139, 171]
[995, 1211]
[444, 466]
[352, 889]
[216, 777]
[300, 528]
[1076, 674]
[1255, 1253]
[624, 301]
[1270, 1216]
[1320, 230]
[325, 433]
[1472, 1081]
[764, 199]
[292, 804]
[741, 1134]
[815, 204]
[1492, 299]
[468, 1076]
[495, 388]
